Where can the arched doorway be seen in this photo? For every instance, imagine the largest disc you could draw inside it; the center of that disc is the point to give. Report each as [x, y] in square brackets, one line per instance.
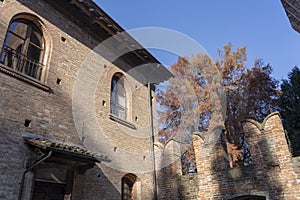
[249, 197]
[129, 187]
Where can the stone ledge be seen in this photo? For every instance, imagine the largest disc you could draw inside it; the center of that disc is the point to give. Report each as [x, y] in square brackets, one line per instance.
[122, 121]
[25, 78]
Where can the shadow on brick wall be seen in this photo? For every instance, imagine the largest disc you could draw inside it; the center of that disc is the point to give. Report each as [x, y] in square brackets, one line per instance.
[168, 183]
[94, 185]
[171, 183]
[168, 180]
[260, 178]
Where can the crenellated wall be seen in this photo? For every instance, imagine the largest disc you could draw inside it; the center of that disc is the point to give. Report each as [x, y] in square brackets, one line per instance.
[273, 174]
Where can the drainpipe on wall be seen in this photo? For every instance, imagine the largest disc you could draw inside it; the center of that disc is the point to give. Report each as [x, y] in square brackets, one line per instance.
[27, 170]
[152, 142]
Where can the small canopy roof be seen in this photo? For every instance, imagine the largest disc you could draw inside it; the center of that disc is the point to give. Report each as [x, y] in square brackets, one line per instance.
[67, 151]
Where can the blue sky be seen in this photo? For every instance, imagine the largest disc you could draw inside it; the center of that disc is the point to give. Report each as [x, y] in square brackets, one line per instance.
[260, 25]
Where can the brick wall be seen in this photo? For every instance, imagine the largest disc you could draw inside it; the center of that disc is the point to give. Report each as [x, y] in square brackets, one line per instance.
[274, 174]
[169, 165]
[51, 112]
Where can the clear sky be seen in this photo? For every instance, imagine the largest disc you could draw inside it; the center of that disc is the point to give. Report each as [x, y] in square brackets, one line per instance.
[261, 25]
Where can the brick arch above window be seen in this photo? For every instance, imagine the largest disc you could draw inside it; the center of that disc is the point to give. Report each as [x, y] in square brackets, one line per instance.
[26, 49]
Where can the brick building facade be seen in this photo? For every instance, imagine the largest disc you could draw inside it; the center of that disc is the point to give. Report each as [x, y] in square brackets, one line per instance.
[74, 114]
[74, 120]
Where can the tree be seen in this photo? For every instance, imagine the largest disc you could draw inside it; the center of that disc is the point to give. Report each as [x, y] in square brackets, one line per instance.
[231, 66]
[261, 94]
[184, 105]
[289, 105]
[183, 102]
[250, 94]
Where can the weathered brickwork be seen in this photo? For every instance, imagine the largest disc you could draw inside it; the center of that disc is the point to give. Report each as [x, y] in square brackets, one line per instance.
[66, 47]
[169, 164]
[274, 174]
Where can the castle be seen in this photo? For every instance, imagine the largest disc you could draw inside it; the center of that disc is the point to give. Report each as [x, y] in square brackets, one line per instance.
[75, 121]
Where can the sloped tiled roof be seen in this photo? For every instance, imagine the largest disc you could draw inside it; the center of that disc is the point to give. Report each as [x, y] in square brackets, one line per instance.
[65, 149]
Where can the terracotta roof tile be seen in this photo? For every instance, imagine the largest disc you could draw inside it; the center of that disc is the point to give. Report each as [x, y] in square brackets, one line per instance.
[64, 148]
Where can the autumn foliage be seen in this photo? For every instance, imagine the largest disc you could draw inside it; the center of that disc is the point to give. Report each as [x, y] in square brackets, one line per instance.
[185, 103]
[251, 93]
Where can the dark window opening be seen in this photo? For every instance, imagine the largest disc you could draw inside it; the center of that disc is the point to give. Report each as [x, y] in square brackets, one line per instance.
[27, 123]
[46, 190]
[246, 156]
[58, 81]
[52, 184]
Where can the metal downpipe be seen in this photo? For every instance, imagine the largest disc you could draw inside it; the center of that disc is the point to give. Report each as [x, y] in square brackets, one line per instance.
[152, 142]
[27, 170]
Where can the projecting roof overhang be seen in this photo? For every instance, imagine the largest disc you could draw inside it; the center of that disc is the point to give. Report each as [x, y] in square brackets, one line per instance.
[63, 151]
[88, 15]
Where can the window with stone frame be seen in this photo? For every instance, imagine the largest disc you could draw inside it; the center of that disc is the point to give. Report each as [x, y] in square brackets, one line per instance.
[23, 48]
[118, 104]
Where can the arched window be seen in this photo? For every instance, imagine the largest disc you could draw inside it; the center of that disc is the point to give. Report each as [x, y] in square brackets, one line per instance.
[23, 48]
[118, 103]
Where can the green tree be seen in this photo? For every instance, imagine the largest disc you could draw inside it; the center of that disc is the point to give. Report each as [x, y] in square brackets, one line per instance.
[290, 108]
